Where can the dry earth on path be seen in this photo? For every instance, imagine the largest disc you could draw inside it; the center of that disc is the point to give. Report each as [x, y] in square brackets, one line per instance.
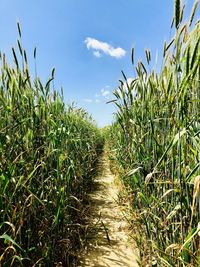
[108, 241]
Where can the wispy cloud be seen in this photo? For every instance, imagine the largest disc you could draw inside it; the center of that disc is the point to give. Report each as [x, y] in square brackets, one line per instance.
[97, 54]
[100, 97]
[88, 100]
[105, 93]
[103, 47]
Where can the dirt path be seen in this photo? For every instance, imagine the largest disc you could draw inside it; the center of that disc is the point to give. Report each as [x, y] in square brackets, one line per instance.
[109, 244]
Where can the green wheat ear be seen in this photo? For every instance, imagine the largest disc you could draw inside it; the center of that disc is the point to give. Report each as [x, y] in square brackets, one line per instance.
[34, 53]
[132, 56]
[193, 12]
[177, 13]
[48, 153]
[19, 29]
[156, 131]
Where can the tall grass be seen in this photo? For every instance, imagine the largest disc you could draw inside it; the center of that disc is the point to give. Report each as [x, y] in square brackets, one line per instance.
[156, 142]
[47, 157]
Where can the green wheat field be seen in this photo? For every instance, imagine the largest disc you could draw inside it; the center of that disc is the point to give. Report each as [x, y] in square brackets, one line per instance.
[49, 153]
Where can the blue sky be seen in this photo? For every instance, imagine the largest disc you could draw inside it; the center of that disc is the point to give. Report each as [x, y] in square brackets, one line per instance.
[87, 41]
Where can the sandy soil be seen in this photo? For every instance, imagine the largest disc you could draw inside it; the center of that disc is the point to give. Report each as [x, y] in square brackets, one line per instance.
[107, 234]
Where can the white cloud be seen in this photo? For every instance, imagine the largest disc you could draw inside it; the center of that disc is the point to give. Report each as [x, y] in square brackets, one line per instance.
[97, 53]
[106, 48]
[105, 93]
[129, 81]
[100, 97]
[88, 100]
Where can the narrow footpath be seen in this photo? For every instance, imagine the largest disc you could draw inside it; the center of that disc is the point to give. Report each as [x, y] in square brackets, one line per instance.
[108, 241]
